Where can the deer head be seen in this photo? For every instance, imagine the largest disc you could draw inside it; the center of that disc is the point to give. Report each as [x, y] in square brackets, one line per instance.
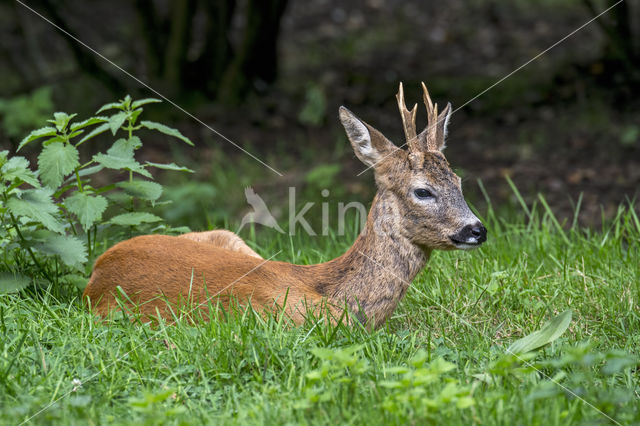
[429, 209]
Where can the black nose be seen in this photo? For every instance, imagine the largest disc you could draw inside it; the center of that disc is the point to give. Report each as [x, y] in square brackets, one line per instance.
[469, 233]
[480, 232]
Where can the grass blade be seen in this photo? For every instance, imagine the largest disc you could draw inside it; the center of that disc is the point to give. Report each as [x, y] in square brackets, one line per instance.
[547, 334]
[523, 204]
[554, 219]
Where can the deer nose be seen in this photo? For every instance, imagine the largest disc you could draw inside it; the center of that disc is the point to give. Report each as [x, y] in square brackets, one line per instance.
[471, 235]
[479, 231]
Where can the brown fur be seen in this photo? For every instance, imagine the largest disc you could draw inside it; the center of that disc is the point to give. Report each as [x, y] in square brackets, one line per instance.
[370, 278]
[223, 239]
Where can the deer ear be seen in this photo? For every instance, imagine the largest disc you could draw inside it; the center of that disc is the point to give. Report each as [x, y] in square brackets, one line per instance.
[369, 145]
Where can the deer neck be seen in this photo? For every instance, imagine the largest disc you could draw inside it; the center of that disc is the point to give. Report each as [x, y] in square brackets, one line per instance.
[374, 274]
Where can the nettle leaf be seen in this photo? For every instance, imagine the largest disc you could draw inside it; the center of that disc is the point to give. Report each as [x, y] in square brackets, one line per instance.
[116, 121]
[134, 115]
[618, 361]
[143, 189]
[61, 120]
[71, 180]
[90, 170]
[56, 138]
[56, 161]
[112, 105]
[134, 142]
[88, 122]
[74, 134]
[141, 102]
[86, 207]
[37, 205]
[141, 171]
[134, 219]
[120, 156]
[13, 283]
[37, 134]
[18, 168]
[95, 132]
[166, 130]
[71, 250]
[547, 334]
[123, 149]
[170, 166]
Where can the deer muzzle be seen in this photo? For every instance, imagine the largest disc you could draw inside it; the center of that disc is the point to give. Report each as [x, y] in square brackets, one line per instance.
[470, 236]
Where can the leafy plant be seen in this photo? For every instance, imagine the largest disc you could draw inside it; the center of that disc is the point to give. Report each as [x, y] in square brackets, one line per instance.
[342, 367]
[157, 407]
[416, 390]
[51, 216]
[411, 391]
[22, 112]
[314, 110]
[630, 135]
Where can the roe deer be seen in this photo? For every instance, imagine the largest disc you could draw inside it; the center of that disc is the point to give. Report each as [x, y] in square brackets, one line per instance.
[419, 207]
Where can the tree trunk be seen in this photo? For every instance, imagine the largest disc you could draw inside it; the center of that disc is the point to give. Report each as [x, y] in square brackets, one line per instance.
[84, 58]
[206, 72]
[178, 44]
[256, 58]
[620, 47]
[152, 36]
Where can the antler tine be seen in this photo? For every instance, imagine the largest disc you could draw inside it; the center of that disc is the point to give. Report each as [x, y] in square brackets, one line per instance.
[427, 98]
[408, 119]
[432, 120]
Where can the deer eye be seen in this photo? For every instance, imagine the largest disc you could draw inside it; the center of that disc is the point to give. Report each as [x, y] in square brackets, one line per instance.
[423, 193]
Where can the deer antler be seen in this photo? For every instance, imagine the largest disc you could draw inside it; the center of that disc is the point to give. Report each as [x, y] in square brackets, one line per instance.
[432, 137]
[408, 120]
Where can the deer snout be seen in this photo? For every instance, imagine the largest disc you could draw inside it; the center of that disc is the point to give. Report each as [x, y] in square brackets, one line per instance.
[470, 236]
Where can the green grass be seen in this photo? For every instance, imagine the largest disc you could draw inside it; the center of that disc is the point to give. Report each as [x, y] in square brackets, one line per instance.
[440, 359]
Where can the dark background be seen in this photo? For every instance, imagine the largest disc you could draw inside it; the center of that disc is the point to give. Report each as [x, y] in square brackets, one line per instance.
[271, 74]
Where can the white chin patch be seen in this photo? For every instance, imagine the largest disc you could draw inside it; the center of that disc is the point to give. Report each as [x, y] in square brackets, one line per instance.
[464, 246]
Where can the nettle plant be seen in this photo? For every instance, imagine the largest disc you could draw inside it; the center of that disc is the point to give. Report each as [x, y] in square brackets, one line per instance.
[52, 216]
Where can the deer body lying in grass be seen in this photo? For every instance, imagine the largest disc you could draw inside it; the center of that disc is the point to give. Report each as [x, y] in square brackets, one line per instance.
[418, 208]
